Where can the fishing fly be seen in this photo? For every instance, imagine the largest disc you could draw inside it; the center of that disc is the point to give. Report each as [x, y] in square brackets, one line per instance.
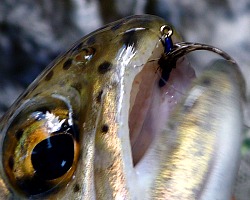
[172, 52]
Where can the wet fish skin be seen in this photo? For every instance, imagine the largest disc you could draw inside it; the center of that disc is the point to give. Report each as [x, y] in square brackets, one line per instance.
[90, 85]
[205, 134]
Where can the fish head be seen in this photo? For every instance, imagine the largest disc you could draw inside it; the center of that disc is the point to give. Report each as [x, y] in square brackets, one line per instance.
[89, 126]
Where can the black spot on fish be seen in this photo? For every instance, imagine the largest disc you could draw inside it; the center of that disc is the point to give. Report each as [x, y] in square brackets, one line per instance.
[99, 96]
[206, 81]
[76, 188]
[104, 67]
[19, 134]
[130, 38]
[91, 40]
[49, 75]
[11, 162]
[105, 128]
[67, 64]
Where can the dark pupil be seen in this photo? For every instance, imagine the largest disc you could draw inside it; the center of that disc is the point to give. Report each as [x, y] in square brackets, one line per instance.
[53, 157]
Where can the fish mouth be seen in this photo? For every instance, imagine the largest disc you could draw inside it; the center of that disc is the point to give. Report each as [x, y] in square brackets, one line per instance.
[152, 105]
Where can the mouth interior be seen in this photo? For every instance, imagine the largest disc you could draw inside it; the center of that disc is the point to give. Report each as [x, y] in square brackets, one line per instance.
[152, 105]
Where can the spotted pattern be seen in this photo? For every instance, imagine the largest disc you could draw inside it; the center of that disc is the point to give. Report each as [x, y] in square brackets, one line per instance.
[104, 67]
[67, 64]
[79, 79]
[99, 96]
[49, 75]
[207, 82]
[91, 40]
[105, 128]
[76, 188]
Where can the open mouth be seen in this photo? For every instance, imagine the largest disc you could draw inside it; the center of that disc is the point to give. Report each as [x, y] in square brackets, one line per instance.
[155, 94]
[160, 138]
[152, 105]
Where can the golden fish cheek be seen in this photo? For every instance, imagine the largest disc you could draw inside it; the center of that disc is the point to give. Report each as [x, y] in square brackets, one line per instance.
[41, 147]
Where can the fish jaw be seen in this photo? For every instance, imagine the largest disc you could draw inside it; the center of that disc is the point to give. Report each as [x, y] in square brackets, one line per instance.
[203, 131]
[221, 181]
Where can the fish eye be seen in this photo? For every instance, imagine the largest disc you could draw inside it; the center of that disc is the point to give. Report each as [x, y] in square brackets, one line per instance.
[41, 147]
[50, 158]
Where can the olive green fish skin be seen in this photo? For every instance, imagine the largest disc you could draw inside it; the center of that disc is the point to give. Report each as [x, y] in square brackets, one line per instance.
[90, 86]
[88, 77]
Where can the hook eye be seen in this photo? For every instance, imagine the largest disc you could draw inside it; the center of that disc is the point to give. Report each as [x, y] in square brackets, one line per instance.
[172, 52]
[166, 31]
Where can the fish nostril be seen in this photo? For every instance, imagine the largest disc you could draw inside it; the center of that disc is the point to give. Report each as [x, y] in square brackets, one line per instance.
[53, 157]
